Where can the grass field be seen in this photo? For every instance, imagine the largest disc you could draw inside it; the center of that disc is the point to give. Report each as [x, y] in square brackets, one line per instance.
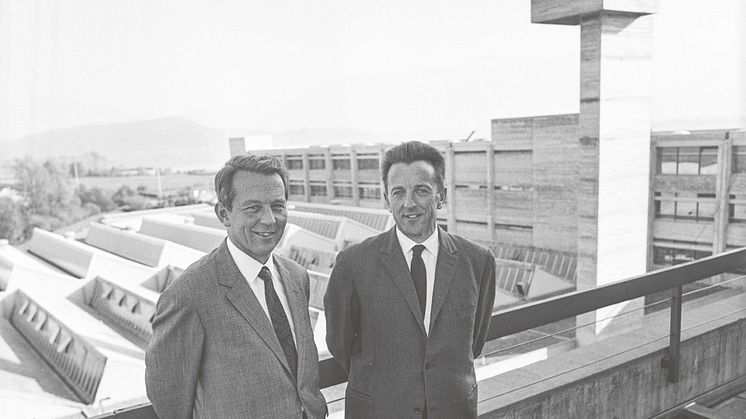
[168, 182]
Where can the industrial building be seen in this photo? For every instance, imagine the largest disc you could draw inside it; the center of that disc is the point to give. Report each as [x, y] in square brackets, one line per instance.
[697, 186]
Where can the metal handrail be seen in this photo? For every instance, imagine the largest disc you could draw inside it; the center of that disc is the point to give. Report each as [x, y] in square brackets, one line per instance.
[518, 319]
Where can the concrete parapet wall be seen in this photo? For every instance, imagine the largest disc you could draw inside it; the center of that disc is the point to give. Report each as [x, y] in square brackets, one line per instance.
[79, 364]
[197, 237]
[622, 376]
[206, 219]
[84, 261]
[67, 254]
[139, 248]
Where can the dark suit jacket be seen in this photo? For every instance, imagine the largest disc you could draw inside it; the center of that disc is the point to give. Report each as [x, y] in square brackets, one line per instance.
[375, 329]
[214, 353]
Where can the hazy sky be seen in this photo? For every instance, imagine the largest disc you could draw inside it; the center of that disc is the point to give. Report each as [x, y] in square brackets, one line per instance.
[420, 69]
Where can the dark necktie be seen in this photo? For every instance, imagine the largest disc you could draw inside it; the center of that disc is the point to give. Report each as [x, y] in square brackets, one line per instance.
[419, 276]
[279, 320]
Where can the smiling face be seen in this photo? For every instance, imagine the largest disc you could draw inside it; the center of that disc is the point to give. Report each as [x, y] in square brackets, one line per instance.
[258, 213]
[413, 197]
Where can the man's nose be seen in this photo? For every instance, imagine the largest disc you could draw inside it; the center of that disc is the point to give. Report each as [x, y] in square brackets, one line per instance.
[409, 200]
[267, 216]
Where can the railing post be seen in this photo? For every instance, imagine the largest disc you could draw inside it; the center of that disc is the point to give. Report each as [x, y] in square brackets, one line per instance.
[671, 361]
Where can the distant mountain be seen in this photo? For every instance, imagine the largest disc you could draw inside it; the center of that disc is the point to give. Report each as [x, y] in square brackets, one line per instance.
[173, 142]
[167, 142]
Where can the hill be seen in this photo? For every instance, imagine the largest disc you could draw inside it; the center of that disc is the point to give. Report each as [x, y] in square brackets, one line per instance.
[167, 142]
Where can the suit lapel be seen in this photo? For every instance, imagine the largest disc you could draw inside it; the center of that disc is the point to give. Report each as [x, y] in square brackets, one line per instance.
[445, 271]
[393, 261]
[296, 305]
[242, 297]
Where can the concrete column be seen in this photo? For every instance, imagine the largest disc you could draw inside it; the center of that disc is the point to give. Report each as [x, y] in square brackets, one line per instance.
[651, 204]
[490, 155]
[306, 181]
[614, 146]
[353, 175]
[329, 165]
[381, 152]
[451, 188]
[722, 187]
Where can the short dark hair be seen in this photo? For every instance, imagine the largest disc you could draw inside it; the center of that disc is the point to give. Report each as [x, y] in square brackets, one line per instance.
[412, 151]
[265, 165]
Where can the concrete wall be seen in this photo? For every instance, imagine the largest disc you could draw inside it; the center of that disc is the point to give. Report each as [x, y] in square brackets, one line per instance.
[621, 377]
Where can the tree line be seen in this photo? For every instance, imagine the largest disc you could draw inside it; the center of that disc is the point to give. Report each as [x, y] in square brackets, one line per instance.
[45, 197]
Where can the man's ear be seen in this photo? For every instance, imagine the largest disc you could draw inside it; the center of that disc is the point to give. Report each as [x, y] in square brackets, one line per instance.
[442, 198]
[222, 213]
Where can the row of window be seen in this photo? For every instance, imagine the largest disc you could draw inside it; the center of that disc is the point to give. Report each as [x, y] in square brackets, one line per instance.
[687, 160]
[683, 206]
[337, 164]
[673, 256]
[695, 207]
[340, 191]
[696, 160]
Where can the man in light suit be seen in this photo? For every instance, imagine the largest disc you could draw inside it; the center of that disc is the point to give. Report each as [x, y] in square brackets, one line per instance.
[232, 337]
[407, 311]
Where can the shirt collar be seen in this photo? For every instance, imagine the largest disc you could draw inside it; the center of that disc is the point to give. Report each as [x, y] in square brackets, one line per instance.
[247, 265]
[406, 244]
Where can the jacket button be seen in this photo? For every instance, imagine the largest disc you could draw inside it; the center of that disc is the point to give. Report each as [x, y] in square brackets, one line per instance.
[417, 410]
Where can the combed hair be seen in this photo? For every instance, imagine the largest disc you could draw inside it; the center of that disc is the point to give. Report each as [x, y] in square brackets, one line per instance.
[265, 165]
[412, 151]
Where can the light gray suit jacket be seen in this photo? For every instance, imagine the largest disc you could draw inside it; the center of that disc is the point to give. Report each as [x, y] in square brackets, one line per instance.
[214, 353]
[375, 328]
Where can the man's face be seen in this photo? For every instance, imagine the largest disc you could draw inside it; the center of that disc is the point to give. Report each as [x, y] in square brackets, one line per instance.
[413, 197]
[258, 214]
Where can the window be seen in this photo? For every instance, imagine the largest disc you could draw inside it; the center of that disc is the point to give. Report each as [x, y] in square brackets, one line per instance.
[296, 189]
[688, 160]
[369, 191]
[667, 160]
[341, 164]
[739, 159]
[708, 160]
[706, 206]
[367, 164]
[665, 207]
[316, 164]
[737, 208]
[343, 191]
[317, 190]
[684, 206]
[673, 256]
[295, 164]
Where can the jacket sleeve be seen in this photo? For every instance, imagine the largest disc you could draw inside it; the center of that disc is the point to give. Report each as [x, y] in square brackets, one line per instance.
[342, 313]
[484, 305]
[172, 361]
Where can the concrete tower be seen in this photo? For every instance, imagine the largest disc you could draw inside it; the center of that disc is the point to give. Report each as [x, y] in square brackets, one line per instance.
[614, 143]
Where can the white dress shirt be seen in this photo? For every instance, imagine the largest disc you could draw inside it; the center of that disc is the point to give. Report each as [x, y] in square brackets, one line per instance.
[430, 258]
[249, 268]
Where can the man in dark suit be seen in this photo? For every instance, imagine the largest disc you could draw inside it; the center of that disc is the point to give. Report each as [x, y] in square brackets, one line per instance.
[407, 311]
[232, 337]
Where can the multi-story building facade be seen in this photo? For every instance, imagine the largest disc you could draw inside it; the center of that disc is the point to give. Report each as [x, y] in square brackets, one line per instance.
[520, 187]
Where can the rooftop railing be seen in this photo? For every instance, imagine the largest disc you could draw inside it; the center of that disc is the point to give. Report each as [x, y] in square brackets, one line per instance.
[526, 317]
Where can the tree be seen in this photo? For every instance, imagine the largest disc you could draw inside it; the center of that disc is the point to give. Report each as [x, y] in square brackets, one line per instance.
[46, 188]
[129, 199]
[12, 221]
[49, 200]
[96, 196]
